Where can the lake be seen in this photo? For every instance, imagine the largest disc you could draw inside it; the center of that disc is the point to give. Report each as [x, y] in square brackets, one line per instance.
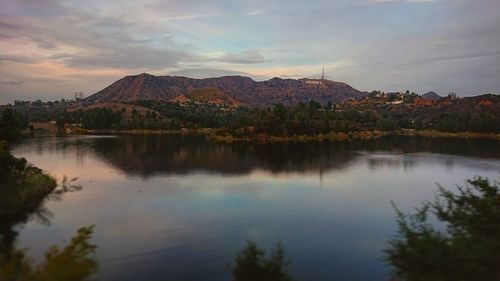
[179, 208]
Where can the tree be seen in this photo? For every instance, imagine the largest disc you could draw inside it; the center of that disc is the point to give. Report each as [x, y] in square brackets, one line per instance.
[452, 96]
[314, 105]
[8, 126]
[74, 262]
[270, 123]
[466, 249]
[252, 264]
[374, 94]
[329, 105]
[386, 124]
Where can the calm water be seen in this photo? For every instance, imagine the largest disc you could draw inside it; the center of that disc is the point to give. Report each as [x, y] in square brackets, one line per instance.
[178, 208]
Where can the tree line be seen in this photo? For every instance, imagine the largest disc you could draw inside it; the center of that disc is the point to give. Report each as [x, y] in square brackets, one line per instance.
[309, 118]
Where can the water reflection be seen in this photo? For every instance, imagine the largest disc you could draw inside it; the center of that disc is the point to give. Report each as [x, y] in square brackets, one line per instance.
[37, 210]
[152, 155]
[146, 156]
[73, 262]
[172, 208]
[172, 155]
[8, 223]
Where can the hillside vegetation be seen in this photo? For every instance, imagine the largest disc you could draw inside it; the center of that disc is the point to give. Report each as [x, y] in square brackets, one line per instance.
[370, 117]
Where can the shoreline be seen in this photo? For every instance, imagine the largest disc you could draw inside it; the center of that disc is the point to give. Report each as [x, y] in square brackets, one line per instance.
[24, 187]
[201, 131]
[351, 136]
[216, 136]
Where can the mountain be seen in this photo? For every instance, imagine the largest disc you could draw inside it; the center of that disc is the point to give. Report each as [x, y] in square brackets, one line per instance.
[234, 90]
[432, 96]
[206, 95]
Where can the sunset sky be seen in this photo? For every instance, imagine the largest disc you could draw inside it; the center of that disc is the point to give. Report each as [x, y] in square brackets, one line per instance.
[50, 49]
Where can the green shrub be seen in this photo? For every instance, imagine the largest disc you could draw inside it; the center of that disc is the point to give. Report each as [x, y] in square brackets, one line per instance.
[466, 248]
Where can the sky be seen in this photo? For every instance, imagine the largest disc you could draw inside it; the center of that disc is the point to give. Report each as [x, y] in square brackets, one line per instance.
[50, 49]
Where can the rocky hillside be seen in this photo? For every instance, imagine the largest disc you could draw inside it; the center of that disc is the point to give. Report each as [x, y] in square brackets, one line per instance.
[235, 90]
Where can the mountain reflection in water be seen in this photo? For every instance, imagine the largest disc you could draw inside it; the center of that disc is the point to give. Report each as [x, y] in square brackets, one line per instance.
[146, 156]
[179, 208]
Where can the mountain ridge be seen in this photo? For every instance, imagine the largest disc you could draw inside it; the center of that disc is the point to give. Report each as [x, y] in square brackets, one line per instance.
[237, 89]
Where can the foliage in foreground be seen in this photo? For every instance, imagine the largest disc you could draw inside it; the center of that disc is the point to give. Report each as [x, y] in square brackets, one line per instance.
[252, 263]
[21, 185]
[466, 249]
[74, 262]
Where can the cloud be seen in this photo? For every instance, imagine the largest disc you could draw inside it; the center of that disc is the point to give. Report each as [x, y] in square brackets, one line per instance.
[59, 46]
[131, 57]
[245, 57]
[301, 71]
[186, 17]
[255, 12]
[90, 40]
[16, 58]
[398, 1]
[173, 10]
[206, 72]
[11, 82]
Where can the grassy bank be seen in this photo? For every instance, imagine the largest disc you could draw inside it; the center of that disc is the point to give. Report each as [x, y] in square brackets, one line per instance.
[77, 130]
[22, 186]
[358, 135]
[438, 134]
[218, 135]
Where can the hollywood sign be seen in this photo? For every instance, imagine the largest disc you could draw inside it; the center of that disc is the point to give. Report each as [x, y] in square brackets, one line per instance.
[314, 82]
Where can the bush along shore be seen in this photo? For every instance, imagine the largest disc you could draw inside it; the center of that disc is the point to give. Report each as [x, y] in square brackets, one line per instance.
[249, 134]
[472, 117]
[447, 117]
[343, 136]
[23, 187]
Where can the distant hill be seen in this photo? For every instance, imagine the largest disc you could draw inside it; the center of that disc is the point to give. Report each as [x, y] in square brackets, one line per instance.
[234, 90]
[432, 96]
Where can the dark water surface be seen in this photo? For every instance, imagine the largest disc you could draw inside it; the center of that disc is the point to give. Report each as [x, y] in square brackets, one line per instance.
[178, 208]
